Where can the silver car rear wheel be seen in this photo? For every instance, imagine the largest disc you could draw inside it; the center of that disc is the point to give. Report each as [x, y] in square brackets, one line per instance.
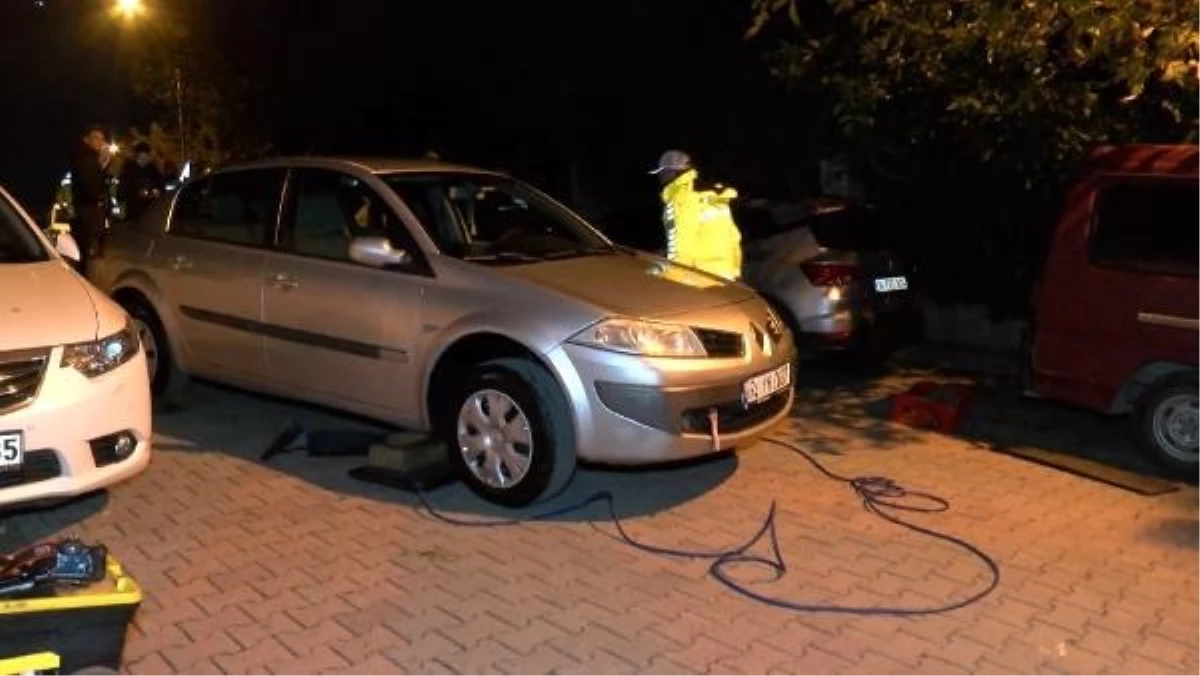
[149, 346]
[494, 438]
[167, 379]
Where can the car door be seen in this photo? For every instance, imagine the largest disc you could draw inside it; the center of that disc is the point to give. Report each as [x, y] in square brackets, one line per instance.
[341, 332]
[1133, 300]
[208, 266]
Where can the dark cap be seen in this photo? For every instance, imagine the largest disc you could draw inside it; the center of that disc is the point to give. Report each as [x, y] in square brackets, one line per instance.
[673, 160]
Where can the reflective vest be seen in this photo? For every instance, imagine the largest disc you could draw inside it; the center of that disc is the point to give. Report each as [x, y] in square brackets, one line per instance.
[701, 232]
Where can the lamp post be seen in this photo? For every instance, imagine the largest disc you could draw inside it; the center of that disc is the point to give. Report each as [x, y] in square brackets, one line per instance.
[183, 153]
[129, 10]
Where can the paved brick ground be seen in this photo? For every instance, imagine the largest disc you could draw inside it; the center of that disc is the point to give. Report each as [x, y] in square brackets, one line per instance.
[293, 567]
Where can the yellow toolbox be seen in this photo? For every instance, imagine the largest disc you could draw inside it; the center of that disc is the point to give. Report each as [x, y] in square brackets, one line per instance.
[37, 663]
[80, 627]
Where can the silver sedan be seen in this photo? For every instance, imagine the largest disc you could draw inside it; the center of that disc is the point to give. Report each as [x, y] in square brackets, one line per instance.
[450, 300]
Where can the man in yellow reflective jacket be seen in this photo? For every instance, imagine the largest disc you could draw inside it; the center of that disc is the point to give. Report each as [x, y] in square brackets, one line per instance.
[701, 232]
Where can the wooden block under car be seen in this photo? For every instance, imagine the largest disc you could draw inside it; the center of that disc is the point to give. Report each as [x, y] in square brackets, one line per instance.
[414, 462]
[406, 451]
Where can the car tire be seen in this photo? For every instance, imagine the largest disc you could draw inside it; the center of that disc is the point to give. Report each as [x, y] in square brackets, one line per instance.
[167, 379]
[1166, 418]
[493, 397]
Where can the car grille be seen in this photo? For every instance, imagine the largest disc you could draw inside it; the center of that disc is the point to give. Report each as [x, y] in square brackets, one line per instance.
[39, 465]
[733, 417]
[721, 343]
[20, 376]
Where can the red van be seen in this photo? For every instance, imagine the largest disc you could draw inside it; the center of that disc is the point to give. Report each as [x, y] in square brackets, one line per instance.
[1116, 320]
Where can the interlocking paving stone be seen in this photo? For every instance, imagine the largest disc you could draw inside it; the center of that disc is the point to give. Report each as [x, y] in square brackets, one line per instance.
[291, 567]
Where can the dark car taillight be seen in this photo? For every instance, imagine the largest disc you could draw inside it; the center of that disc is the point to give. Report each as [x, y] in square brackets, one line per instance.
[823, 273]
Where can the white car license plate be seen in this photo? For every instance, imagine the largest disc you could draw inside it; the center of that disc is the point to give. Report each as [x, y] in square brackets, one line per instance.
[890, 284]
[763, 387]
[12, 450]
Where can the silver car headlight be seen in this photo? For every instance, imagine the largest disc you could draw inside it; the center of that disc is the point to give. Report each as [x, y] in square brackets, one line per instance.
[97, 357]
[650, 339]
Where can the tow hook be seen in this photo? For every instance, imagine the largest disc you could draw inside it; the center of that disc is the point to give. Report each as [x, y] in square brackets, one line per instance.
[714, 428]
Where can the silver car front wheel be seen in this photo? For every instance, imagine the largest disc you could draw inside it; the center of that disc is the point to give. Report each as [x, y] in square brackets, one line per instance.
[494, 438]
[510, 432]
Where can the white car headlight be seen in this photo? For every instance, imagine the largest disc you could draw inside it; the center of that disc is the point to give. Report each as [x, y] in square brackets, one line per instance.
[650, 339]
[95, 358]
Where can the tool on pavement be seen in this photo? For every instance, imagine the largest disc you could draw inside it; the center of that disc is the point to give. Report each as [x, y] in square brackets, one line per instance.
[294, 437]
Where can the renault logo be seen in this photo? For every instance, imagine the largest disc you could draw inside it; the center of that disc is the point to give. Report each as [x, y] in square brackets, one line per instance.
[774, 327]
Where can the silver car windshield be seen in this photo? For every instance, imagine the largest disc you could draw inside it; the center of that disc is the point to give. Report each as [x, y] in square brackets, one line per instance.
[18, 243]
[487, 218]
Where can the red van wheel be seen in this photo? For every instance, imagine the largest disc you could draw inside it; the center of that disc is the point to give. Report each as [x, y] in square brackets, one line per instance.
[1169, 421]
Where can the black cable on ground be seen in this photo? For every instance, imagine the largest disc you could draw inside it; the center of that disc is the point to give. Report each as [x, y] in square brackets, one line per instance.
[878, 495]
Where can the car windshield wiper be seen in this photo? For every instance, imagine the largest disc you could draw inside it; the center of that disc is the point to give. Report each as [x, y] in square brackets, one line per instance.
[583, 251]
[507, 256]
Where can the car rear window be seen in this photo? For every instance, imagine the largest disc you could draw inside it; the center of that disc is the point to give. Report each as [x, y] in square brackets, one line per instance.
[851, 230]
[1146, 225]
[18, 243]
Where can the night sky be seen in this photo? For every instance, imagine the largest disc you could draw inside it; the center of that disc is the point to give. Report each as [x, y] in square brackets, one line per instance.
[532, 86]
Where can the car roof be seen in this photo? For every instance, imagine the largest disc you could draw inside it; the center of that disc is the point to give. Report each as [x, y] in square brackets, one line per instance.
[1145, 159]
[374, 165]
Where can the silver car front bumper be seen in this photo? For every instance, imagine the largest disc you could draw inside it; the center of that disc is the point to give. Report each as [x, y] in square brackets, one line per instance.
[632, 410]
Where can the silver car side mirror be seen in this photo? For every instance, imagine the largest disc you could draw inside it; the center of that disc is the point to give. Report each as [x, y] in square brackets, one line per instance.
[377, 252]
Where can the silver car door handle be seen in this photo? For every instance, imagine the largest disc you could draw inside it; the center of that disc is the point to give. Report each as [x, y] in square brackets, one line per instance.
[283, 282]
[180, 262]
[1168, 320]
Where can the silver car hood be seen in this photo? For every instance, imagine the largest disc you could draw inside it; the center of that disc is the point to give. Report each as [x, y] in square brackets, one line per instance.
[639, 285]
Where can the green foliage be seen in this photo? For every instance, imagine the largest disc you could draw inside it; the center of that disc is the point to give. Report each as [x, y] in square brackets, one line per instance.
[177, 65]
[1070, 73]
[983, 107]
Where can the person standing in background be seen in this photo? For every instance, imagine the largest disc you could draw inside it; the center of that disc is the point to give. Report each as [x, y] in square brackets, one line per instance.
[89, 191]
[141, 183]
[700, 229]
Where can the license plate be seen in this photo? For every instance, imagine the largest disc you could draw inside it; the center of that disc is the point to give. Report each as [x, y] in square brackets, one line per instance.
[890, 284]
[12, 450]
[763, 387]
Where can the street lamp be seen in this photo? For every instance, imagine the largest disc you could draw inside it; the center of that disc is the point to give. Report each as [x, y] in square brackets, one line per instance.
[130, 9]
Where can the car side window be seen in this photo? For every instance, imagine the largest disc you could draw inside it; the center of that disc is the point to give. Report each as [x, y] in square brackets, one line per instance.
[1145, 225]
[329, 209]
[236, 207]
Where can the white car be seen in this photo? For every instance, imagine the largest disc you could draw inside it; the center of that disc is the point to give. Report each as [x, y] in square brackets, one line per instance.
[74, 386]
